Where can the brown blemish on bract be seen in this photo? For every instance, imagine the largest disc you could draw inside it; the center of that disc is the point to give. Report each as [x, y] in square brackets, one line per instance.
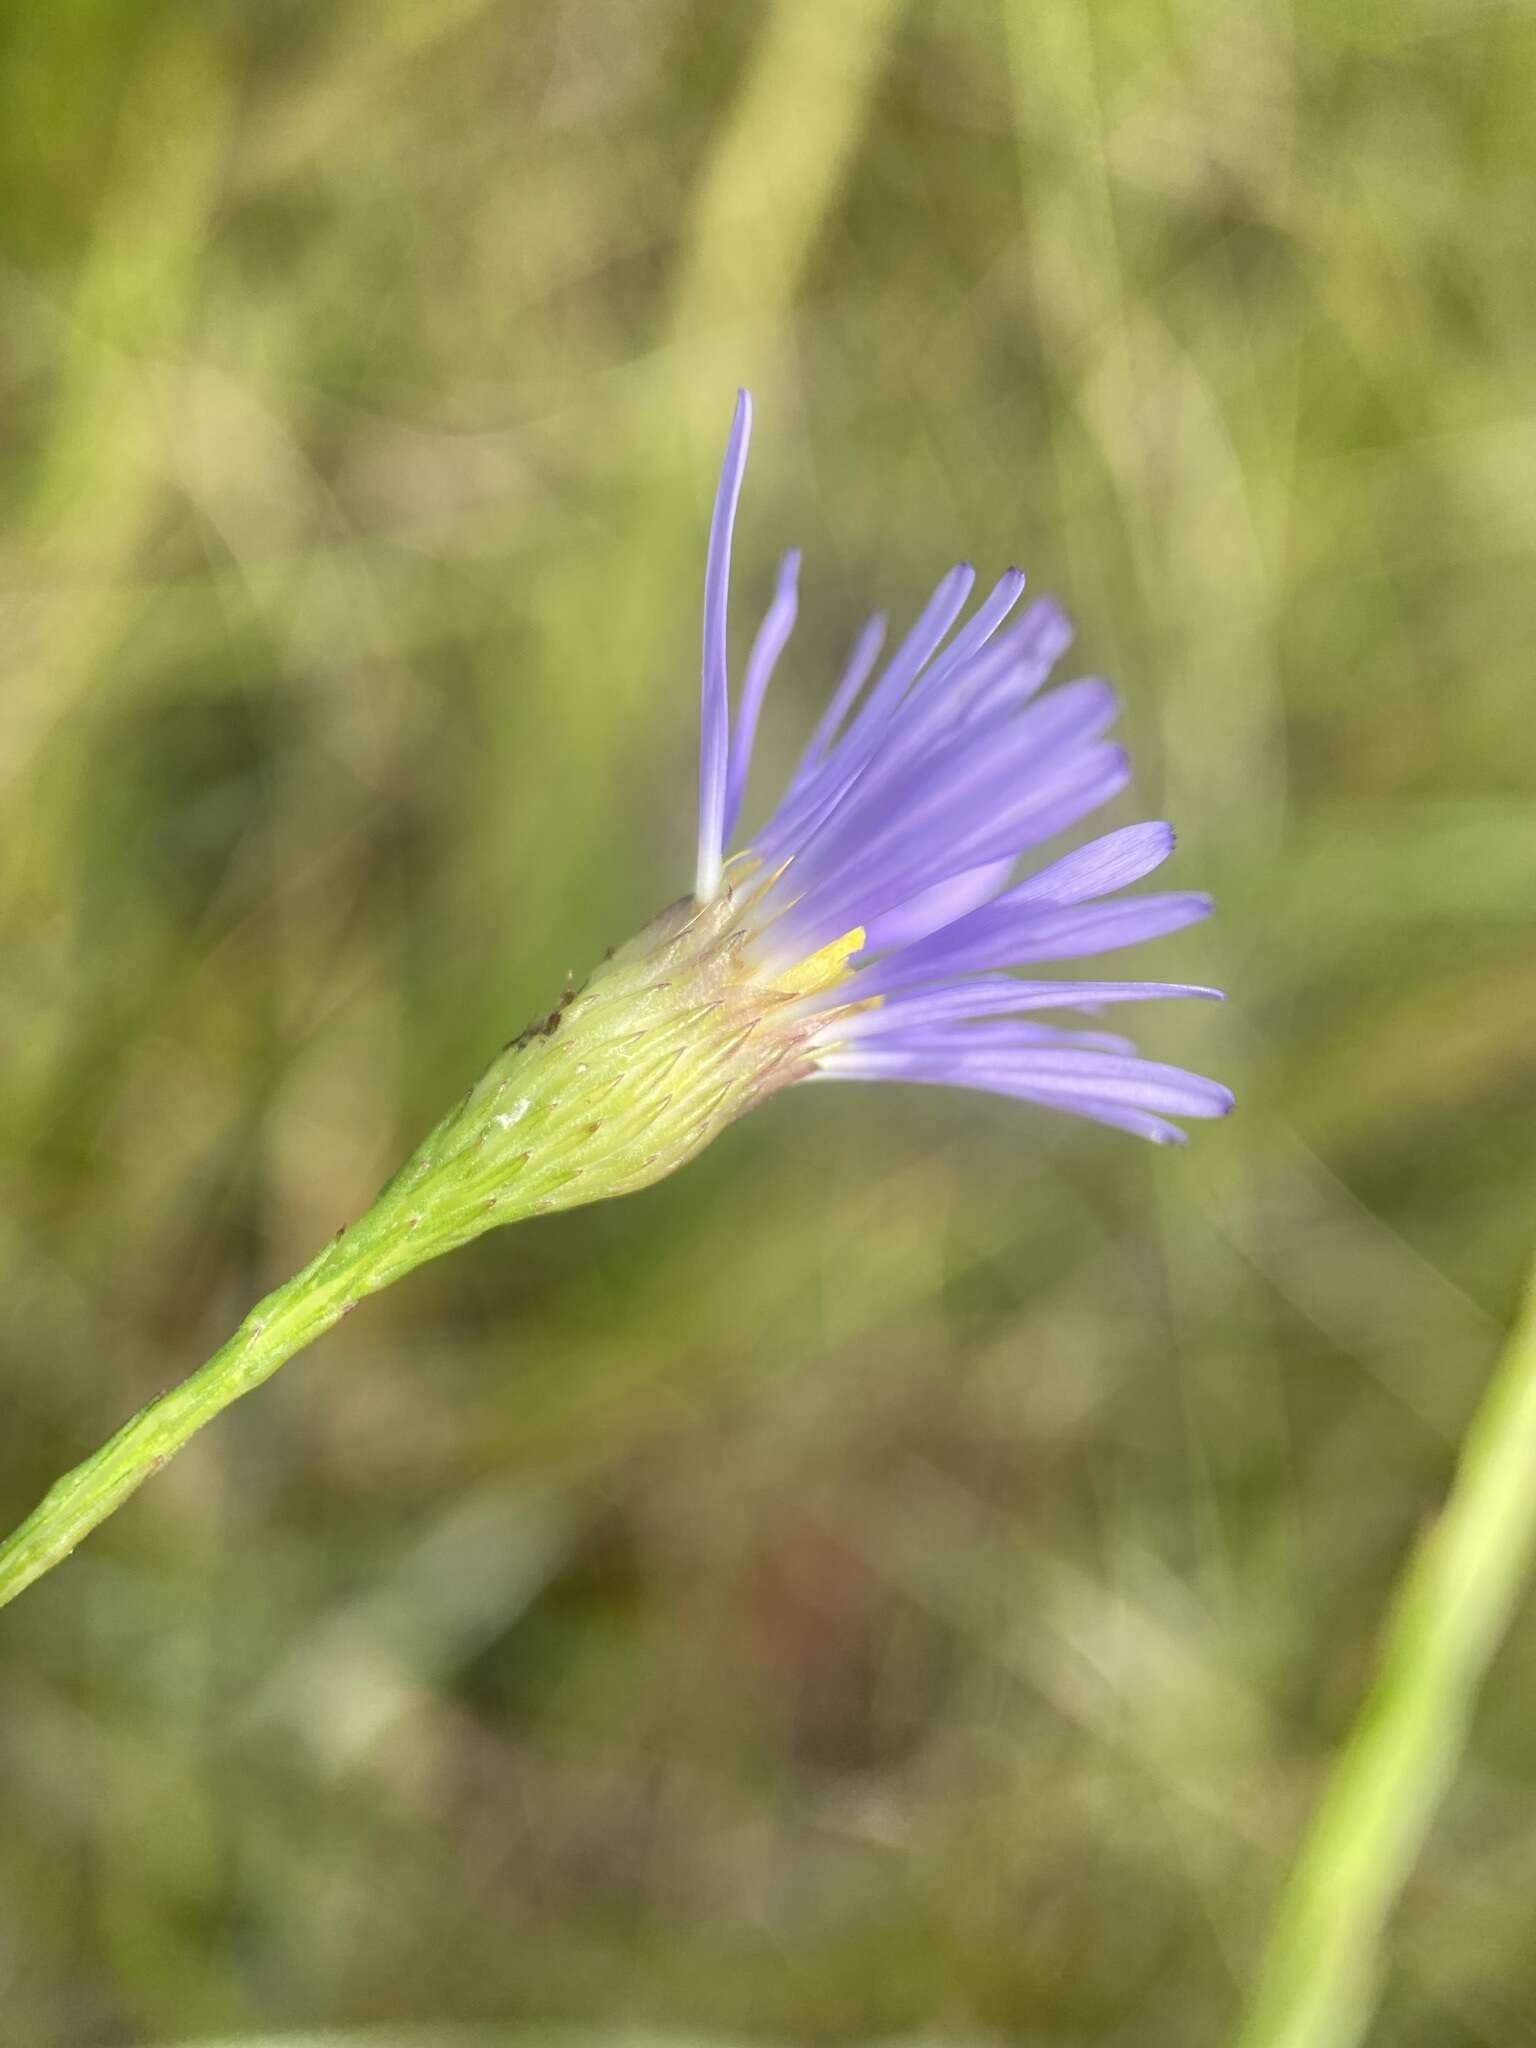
[545, 1026]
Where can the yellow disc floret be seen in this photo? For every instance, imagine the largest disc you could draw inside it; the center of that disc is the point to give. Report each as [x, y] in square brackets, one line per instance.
[822, 970]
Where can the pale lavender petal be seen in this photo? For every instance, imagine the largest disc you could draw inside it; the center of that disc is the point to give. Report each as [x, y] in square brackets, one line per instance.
[975, 825]
[1141, 1103]
[911, 800]
[975, 634]
[919, 647]
[1083, 783]
[1063, 1071]
[1099, 868]
[993, 937]
[997, 681]
[992, 996]
[804, 806]
[1027, 652]
[902, 815]
[778, 624]
[715, 695]
[992, 1040]
[924, 784]
[866, 651]
[938, 905]
[931, 733]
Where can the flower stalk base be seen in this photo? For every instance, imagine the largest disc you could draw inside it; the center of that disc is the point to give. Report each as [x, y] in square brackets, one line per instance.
[621, 1083]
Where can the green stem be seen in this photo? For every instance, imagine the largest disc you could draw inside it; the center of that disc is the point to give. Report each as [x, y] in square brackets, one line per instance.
[622, 1082]
[298, 1312]
[1320, 1979]
[415, 1217]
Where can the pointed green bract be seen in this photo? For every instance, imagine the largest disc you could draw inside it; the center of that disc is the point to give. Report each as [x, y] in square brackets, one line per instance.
[672, 1038]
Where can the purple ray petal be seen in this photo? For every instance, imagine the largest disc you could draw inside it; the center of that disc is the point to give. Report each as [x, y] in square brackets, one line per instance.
[1122, 1116]
[926, 748]
[974, 635]
[1120, 1077]
[1028, 652]
[936, 906]
[1099, 868]
[921, 787]
[866, 651]
[987, 1041]
[917, 649]
[908, 793]
[715, 693]
[972, 825]
[901, 815]
[1066, 1072]
[992, 995]
[993, 937]
[805, 806]
[778, 624]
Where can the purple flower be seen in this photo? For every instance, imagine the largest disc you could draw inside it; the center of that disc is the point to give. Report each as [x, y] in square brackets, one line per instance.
[881, 893]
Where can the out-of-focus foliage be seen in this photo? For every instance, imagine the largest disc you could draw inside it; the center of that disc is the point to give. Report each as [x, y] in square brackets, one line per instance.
[898, 1580]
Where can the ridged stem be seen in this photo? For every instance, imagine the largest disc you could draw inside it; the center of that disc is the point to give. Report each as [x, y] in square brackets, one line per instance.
[288, 1319]
[621, 1083]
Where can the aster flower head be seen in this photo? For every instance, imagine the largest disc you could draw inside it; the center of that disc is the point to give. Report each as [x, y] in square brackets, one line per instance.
[871, 929]
[881, 896]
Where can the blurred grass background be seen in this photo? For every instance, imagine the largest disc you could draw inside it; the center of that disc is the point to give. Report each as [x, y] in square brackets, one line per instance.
[900, 1579]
